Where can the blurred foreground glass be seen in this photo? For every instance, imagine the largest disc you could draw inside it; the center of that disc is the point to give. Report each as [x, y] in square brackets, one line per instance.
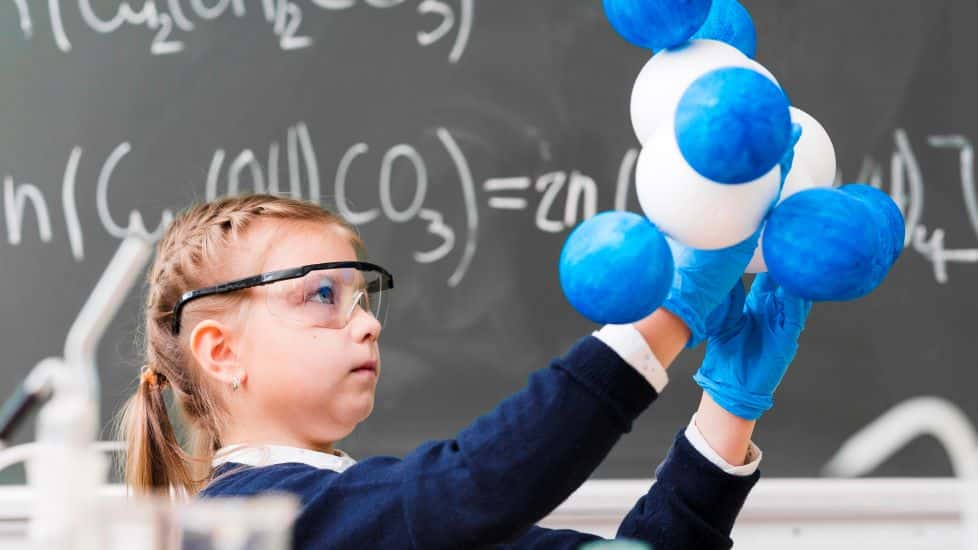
[158, 523]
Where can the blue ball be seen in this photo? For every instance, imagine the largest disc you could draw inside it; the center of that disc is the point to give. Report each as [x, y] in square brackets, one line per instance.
[616, 268]
[823, 244]
[656, 24]
[888, 218]
[733, 125]
[730, 22]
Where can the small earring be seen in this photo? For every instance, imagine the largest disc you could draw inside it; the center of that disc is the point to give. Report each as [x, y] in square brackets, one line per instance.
[235, 384]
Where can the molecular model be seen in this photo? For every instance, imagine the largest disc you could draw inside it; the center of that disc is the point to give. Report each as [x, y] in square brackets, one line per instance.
[724, 155]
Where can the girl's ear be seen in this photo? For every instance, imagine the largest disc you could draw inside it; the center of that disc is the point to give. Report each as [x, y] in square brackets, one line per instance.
[211, 345]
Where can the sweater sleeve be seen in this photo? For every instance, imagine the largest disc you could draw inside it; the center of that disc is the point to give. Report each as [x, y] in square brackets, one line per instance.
[514, 465]
[692, 504]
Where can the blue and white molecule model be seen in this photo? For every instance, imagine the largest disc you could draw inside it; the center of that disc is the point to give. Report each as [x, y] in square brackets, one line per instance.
[718, 134]
[711, 193]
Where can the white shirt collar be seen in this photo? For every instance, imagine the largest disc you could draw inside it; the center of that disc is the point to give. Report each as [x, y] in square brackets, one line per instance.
[268, 455]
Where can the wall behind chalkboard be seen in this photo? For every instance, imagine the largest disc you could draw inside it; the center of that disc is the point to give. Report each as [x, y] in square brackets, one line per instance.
[466, 139]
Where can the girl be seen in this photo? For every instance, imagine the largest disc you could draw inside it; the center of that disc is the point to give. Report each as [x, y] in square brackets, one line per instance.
[263, 323]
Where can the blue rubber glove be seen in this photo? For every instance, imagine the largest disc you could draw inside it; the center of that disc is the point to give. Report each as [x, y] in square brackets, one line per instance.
[702, 281]
[728, 312]
[747, 358]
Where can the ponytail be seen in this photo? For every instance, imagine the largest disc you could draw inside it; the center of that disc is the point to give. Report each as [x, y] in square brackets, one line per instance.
[155, 461]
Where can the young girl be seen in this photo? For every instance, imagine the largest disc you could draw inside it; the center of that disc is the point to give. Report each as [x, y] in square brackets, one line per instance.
[263, 323]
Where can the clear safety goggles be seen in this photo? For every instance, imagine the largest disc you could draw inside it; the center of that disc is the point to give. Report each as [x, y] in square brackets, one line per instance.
[317, 295]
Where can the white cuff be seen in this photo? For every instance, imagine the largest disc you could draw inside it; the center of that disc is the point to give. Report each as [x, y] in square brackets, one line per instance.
[696, 439]
[631, 346]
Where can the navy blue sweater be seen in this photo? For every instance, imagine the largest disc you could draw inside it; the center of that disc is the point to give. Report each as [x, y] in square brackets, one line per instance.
[509, 469]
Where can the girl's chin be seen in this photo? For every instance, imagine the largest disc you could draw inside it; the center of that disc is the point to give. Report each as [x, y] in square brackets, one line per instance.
[343, 414]
[359, 411]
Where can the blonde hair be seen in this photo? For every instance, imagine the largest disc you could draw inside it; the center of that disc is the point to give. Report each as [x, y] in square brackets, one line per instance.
[190, 256]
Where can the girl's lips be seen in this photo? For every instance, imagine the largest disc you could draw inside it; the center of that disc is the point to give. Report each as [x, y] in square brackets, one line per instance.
[370, 366]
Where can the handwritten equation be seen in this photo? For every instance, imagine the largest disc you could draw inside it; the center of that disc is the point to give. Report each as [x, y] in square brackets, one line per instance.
[556, 200]
[169, 23]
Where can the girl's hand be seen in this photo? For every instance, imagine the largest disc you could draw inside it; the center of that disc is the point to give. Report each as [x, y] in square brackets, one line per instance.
[703, 281]
[748, 355]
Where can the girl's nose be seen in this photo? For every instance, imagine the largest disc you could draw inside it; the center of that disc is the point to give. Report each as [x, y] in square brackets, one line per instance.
[364, 325]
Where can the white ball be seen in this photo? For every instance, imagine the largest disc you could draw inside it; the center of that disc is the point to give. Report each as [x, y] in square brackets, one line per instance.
[799, 178]
[664, 79]
[814, 148]
[694, 210]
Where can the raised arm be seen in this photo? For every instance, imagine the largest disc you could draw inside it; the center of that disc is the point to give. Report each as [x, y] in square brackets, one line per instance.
[705, 479]
[697, 498]
[514, 465]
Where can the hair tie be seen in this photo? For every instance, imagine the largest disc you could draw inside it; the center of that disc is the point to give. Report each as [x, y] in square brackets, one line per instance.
[154, 379]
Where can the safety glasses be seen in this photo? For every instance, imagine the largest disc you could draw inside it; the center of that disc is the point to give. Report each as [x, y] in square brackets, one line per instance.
[317, 295]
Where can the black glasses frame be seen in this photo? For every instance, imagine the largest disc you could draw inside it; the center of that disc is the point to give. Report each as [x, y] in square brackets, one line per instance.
[386, 282]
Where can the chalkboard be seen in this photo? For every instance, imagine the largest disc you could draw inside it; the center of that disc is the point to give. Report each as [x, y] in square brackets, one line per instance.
[466, 139]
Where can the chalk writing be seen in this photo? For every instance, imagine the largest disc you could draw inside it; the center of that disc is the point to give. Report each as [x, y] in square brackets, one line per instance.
[907, 188]
[290, 166]
[554, 201]
[169, 23]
